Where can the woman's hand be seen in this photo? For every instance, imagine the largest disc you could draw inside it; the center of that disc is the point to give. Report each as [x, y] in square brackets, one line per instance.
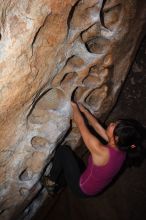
[92, 143]
[76, 113]
[82, 108]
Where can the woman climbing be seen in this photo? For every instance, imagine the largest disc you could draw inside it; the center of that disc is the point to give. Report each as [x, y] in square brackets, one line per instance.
[123, 139]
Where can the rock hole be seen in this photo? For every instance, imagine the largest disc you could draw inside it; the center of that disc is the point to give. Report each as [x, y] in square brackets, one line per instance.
[96, 97]
[96, 81]
[73, 96]
[79, 93]
[94, 70]
[75, 61]
[102, 14]
[97, 45]
[90, 82]
[93, 97]
[68, 80]
[71, 13]
[90, 33]
[110, 15]
[39, 142]
[25, 175]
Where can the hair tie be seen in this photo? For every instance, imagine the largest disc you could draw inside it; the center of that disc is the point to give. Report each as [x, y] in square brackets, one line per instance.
[133, 146]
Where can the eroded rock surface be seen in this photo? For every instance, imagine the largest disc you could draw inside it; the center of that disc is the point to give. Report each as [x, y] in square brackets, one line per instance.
[51, 51]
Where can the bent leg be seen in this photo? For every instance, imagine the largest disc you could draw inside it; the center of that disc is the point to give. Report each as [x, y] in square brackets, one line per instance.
[67, 162]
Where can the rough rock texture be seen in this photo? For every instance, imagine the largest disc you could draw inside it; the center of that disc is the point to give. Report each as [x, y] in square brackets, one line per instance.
[51, 51]
[125, 199]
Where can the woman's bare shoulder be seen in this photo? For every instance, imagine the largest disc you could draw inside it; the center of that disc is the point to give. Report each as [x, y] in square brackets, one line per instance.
[102, 158]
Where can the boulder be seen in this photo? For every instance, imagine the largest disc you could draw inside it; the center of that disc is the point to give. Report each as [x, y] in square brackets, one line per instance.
[52, 51]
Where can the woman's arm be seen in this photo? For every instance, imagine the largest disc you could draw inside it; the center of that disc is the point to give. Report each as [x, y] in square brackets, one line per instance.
[94, 123]
[92, 143]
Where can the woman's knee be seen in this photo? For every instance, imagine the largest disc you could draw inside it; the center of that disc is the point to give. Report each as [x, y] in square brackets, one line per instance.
[64, 149]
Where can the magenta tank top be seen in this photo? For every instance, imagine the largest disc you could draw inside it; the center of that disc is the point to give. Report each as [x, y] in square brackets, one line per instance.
[95, 178]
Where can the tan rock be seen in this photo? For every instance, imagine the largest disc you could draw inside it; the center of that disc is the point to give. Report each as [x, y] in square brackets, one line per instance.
[51, 51]
[35, 163]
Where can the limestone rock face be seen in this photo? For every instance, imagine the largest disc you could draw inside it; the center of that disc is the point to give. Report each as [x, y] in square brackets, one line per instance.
[51, 51]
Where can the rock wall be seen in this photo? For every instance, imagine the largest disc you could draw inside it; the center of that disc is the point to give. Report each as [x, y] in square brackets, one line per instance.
[51, 51]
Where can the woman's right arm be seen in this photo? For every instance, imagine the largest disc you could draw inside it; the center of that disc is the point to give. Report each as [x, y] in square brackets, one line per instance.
[94, 123]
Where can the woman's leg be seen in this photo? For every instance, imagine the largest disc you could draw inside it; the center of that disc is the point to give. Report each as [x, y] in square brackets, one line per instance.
[66, 162]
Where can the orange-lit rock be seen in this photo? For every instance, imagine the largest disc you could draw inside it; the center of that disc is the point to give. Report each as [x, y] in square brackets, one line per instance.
[50, 51]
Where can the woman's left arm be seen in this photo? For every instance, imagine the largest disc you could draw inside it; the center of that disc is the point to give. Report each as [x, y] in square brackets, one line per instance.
[91, 142]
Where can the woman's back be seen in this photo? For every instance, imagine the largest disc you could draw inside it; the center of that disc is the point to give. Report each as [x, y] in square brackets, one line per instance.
[96, 178]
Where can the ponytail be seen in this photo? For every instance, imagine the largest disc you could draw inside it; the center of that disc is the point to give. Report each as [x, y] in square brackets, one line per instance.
[130, 136]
